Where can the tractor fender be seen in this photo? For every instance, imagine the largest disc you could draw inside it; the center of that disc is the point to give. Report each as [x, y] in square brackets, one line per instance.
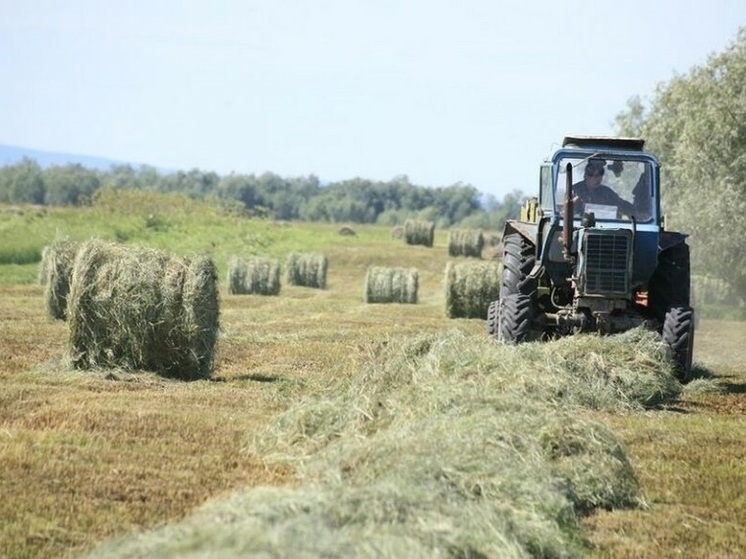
[667, 239]
[529, 231]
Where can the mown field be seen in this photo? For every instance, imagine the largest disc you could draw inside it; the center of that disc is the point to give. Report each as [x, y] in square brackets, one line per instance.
[89, 455]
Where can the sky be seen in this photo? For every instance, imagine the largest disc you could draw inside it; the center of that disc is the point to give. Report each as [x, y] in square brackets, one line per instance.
[472, 92]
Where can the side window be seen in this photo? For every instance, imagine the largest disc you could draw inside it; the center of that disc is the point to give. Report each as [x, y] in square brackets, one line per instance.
[545, 187]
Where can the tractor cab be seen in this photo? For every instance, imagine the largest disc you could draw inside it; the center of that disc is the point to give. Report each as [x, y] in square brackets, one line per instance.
[590, 253]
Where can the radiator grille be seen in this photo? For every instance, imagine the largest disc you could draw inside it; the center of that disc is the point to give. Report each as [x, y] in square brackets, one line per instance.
[607, 264]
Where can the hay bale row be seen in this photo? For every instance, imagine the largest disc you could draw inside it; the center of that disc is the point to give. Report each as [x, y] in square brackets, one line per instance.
[255, 275]
[55, 272]
[419, 232]
[140, 308]
[307, 269]
[391, 285]
[470, 288]
[465, 242]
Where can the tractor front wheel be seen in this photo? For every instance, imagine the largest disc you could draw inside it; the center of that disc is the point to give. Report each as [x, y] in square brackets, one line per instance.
[519, 257]
[515, 314]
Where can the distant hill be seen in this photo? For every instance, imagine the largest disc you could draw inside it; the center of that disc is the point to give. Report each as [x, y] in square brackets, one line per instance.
[10, 155]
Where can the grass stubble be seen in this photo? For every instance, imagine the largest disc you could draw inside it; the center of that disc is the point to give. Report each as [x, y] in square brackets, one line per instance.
[91, 455]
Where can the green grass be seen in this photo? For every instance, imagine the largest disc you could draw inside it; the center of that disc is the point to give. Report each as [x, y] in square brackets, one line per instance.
[91, 455]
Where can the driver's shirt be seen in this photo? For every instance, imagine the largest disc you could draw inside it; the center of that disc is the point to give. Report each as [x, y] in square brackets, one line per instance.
[602, 194]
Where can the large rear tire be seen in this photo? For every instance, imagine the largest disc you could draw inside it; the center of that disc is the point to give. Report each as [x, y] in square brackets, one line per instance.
[515, 314]
[519, 257]
[492, 312]
[678, 333]
[670, 284]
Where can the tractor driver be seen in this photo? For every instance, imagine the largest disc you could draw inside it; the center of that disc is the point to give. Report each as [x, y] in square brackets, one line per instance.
[591, 190]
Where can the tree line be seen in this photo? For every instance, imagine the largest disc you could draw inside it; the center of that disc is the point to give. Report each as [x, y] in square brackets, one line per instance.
[696, 124]
[268, 195]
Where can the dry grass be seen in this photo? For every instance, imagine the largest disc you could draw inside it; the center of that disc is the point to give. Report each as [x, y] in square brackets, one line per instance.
[87, 456]
[55, 273]
[391, 285]
[465, 242]
[470, 288]
[140, 308]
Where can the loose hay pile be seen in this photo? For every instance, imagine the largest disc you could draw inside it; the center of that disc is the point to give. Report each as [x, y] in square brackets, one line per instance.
[444, 445]
[465, 242]
[419, 232]
[255, 275]
[55, 273]
[391, 285]
[470, 288]
[139, 308]
[307, 269]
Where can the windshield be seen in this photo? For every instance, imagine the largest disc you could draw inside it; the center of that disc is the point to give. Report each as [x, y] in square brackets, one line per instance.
[611, 189]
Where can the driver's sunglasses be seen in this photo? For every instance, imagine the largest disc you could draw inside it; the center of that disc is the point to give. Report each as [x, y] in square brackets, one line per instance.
[593, 172]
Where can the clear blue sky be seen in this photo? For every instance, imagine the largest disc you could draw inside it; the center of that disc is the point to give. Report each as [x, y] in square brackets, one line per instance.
[470, 91]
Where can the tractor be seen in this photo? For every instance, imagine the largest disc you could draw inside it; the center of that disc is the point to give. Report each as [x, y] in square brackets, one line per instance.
[580, 259]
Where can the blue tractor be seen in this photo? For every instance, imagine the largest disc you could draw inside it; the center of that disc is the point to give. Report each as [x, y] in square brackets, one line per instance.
[592, 254]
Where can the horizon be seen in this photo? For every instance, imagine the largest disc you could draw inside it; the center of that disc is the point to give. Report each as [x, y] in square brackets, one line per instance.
[476, 94]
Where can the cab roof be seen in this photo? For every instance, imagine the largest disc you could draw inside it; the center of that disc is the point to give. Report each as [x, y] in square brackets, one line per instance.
[604, 142]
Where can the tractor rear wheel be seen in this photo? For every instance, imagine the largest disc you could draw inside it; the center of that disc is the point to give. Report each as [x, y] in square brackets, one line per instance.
[519, 257]
[678, 333]
[492, 312]
[670, 284]
[515, 314]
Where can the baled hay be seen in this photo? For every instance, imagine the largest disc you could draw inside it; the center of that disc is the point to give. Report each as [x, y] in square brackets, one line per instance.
[307, 269]
[255, 275]
[397, 232]
[346, 231]
[391, 285]
[139, 308]
[465, 242]
[470, 288]
[55, 272]
[418, 232]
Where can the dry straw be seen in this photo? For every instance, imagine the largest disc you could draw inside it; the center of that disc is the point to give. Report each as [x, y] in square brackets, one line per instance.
[445, 445]
[255, 275]
[470, 288]
[307, 269]
[465, 242]
[418, 232]
[55, 272]
[391, 285]
[139, 308]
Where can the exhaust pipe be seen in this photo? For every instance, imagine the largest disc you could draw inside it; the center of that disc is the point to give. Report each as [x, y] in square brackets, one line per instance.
[568, 213]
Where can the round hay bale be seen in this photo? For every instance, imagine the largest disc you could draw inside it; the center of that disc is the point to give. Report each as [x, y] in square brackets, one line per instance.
[391, 285]
[307, 269]
[140, 308]
[465, 242]
[419, 232]
[470, 288]
[397, 232]
[255, 275]
[55, 272]
[347, 232]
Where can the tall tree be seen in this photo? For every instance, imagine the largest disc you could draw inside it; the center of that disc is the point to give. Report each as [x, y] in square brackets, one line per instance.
[697, 125]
